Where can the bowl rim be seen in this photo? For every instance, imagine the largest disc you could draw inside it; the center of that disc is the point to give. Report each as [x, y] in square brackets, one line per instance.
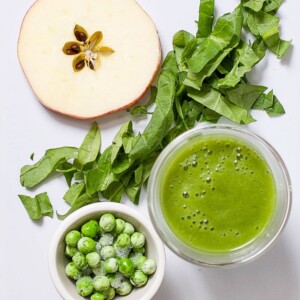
[103, 207]
[175, 145]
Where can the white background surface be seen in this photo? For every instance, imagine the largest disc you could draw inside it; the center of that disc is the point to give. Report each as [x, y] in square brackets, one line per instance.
[27, 127]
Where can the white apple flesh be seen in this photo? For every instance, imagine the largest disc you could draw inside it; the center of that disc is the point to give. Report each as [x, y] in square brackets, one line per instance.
[121, 79]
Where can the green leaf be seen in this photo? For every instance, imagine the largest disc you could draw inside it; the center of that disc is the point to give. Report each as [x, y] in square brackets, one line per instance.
[68, 170]
[245, 95]
[266, 26]
[81, 201]
[31, 175]
[215, 101]
[114, 191]
[264, 101]
[162, 117]
[244, 58]
[74, 192]
[259, 47]
[209, 115]
[276, 109]
[38, 206]
[206, 18]
[90, 147]
[99, 179]
[143, 109]
[226, 32]
[255, 5]
[272, 5]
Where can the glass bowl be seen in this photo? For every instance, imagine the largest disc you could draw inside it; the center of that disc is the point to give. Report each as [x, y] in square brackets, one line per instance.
[248, 251]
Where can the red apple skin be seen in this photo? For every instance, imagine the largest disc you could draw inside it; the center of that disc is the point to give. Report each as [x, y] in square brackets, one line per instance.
[128, 105]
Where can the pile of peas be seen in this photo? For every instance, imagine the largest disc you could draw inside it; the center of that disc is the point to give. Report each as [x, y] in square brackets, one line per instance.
[108, 258]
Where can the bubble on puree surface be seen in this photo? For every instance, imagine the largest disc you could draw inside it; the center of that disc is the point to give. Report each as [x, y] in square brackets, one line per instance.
[218, 193]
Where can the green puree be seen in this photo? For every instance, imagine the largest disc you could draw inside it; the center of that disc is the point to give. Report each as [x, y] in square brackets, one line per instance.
[218, 194]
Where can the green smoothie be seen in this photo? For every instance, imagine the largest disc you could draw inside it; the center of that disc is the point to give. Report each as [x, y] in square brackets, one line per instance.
[218, 193]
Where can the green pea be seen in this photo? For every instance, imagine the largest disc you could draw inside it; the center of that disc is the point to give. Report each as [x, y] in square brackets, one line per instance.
[90, 228]
[123, 240]
[126, 267]
[125, 288]
[100, 270]
[79, 260]
[138, 279]
[129, 229]
[141, 250]
[111, 265]
[84, 286]
[137, 240]
[72, 271]
[72, 238]
[98, 296]
[107, 222]
[101, 283]
[149, 266]
[108, 252]
[93, 259]
[138, 259]
[106, 239]
[70, 251]
[110, 294]
[86, 245]
[120, 226]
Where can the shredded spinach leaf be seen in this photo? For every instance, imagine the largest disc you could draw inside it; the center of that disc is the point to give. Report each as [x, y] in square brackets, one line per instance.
[32, 175]
[38, 206]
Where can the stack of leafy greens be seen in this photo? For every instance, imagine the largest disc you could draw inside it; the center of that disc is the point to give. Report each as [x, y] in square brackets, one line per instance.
[202, 79]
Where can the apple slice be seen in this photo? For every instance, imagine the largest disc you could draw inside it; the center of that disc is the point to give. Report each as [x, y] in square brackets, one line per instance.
[88, 58]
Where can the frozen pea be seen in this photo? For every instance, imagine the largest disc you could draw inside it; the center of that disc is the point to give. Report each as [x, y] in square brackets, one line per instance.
[107, 252]
[106, 239]
[126, 267]
[125, 288]
[116, 279]
[79, 260]
[107, 222]
[84, 286]
[129, 229]
[149, 266]
[111, 265]
[138, 279]
[72, 271]
[123, 240]
[122, 252]
[101, 283]
[93, 259]
[100, 270]
[141, 250]
[110, 294]
[90, 228]
[86, 245]
[120, 226]
[87, 270]
[138, 259]
[98, 296]
[72, 238]
[70, 251]
[137, 240]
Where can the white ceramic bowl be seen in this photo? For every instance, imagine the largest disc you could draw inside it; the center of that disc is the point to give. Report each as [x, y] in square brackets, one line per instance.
[154, 249]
